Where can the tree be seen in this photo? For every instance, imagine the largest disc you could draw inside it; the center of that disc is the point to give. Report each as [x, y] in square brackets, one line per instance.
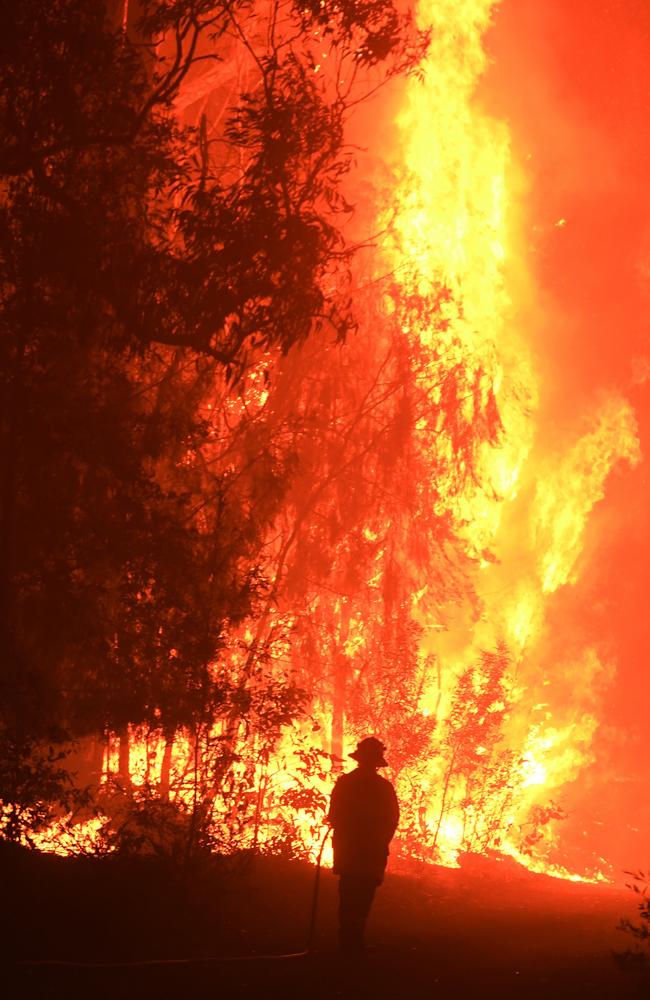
[366, 521]
[142, 272]
[473, 732]
[640, 931]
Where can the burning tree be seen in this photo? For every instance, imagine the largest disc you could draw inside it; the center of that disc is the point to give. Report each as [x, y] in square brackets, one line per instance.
[256, 463]
[147, 267]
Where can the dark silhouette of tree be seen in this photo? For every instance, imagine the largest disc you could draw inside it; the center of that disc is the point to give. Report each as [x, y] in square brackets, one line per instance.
[144, 268]
[638, 956]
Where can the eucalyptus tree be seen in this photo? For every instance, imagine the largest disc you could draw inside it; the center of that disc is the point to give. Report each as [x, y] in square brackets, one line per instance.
[142, 262]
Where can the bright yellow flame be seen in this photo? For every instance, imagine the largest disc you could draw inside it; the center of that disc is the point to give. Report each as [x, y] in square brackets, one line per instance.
[458, 229]
[571, 484]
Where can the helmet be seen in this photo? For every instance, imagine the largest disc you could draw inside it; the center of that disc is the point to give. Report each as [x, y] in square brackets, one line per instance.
[370, 751]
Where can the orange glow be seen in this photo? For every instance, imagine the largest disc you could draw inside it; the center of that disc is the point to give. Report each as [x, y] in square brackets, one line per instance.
[515, 722]
[458, 227]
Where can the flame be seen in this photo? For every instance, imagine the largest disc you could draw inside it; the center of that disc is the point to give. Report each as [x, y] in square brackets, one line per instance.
[457, 227]
[572, 483]
[457, 238]
[454, 229]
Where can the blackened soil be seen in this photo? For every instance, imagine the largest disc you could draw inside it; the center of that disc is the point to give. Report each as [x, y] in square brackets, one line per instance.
[490, 929]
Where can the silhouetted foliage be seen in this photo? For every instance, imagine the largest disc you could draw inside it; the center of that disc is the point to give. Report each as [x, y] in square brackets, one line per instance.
[639, 931]
[35, 787]
[201, 488]
[141, 270]
[533, 831]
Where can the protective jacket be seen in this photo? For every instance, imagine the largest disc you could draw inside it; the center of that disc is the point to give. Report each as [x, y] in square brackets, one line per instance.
[364, 814]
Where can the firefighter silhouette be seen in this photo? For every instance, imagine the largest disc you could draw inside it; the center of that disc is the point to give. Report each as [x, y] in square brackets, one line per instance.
[364, 814]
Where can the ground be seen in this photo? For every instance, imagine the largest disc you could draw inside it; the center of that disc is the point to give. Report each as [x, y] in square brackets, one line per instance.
[490, 929]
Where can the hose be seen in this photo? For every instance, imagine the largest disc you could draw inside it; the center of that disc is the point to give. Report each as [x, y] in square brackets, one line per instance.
[314, 902]
[141, 963]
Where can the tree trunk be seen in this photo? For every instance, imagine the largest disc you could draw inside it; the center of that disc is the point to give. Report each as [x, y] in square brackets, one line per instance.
[10, 419]
[259, 806]
[338, 710]
[166, 765]
[339, 685]
[96, 753]
[443, 804]
[123, 14]
[123, 769]
[194, 817]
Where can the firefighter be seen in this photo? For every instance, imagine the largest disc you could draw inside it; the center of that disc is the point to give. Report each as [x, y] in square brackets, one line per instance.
[364, 814]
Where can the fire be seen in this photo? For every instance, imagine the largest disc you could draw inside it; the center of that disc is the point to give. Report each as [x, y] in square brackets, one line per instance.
[572, 483]
[458, 227]
[510, 730]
